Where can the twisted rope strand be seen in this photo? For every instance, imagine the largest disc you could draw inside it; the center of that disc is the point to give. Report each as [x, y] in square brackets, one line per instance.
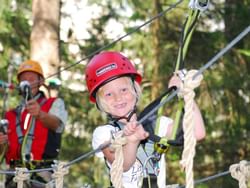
[117, 165]
[186, 91]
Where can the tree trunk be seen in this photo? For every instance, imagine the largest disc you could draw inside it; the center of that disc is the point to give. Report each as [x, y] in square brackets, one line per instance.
[156, 50]
[45, 35]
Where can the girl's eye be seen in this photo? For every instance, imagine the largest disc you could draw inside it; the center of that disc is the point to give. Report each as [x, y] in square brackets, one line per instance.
[124, 90]
[108, 94]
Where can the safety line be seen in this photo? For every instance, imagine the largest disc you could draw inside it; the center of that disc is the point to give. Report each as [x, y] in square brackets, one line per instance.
[208, 178]
[100, 148]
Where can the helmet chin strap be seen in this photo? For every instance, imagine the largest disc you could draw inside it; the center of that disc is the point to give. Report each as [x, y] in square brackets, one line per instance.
[126, 117]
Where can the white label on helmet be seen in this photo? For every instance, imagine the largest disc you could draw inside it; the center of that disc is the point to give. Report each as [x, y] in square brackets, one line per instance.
[106, 68]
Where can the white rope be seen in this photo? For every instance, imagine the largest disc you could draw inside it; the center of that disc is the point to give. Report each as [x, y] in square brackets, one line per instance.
[20, 176]
[186, 91]
[241, 172]
[117, 165]
[172, 186]
[59, 171]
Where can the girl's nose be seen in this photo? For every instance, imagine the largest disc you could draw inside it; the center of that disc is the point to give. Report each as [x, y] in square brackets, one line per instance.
[118, 97]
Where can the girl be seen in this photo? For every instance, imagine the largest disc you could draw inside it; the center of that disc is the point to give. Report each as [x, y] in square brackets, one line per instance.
[113, 85]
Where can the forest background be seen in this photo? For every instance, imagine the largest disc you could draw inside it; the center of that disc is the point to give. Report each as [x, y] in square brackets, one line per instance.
[47, 31]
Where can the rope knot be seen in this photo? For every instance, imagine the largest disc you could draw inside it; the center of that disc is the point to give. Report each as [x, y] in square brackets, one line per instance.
[189, 82]
[60, 170]
[118, 141]
[241, 172]
[20, 176]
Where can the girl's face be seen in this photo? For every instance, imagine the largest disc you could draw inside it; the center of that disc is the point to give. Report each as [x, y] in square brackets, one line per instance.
[118, 96]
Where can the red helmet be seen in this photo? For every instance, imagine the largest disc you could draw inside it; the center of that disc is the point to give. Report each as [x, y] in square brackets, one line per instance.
[106, 66]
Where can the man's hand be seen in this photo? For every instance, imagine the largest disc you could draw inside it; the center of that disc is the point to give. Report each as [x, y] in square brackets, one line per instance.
[3, 138]
[33, 108]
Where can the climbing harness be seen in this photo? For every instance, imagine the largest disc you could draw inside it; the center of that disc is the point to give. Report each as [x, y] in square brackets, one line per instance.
[26, 140]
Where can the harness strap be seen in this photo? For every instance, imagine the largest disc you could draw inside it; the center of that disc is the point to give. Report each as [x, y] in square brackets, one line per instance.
[28, 138]
[26, 141]
[18, 111]
[144, 153]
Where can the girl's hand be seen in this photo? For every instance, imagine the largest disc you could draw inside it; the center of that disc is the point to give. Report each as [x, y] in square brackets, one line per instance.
[174, 81]
[134, 131]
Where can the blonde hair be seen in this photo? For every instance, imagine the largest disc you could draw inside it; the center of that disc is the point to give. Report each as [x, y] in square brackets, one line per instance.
[135, 90]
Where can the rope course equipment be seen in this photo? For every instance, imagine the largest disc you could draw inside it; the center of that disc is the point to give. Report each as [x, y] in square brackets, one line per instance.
[171, 7]
[186, 35]
[186, 91]
[188, 28]
[60, 170]
[202, 69]
[20, 177]
[198, 73]
[117, 166]
[195, 9]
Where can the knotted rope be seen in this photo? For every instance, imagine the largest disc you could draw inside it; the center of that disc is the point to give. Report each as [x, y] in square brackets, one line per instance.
[241, 172]
[117, 165]
[20, 176]
[59, 171]
[186, 91]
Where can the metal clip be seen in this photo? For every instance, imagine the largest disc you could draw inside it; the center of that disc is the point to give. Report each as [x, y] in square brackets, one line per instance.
[201, 5]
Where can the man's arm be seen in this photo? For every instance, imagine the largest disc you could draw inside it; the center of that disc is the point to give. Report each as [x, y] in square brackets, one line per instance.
[3, 141]
[53, 119]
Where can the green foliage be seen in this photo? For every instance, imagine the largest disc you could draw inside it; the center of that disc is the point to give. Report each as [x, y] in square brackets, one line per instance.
[223, 96]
